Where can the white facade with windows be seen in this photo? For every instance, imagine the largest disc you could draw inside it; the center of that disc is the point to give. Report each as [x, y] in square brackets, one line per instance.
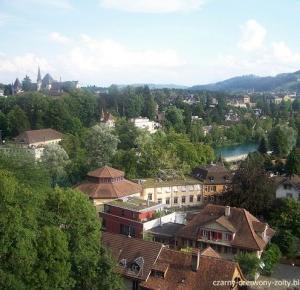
[172, 193]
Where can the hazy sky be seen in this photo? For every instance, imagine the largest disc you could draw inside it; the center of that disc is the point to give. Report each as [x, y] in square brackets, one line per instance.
[154, 41]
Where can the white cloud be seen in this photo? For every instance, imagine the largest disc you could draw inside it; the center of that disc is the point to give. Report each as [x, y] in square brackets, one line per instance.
[94, 55]
[59, 38]
[153, 6]
[283, 53]
[28, 63]
[253, 36]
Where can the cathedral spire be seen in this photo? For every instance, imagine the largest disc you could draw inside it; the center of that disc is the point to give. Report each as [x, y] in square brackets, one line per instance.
[39, 80]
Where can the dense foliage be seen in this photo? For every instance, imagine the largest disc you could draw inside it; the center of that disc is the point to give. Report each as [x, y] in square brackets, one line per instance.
[49, 238]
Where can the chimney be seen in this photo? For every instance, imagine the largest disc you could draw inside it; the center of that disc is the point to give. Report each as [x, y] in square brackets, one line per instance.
[227, 210]
[195, 260]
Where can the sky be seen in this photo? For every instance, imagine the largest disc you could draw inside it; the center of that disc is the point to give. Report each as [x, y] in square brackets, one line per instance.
[186, 42]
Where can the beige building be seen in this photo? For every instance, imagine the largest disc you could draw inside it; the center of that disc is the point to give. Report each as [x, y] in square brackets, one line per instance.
[173, 193]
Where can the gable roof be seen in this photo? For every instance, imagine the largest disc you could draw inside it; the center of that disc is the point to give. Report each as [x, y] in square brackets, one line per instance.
[247, 228]
[36, 136]
[213, 174]
[123, 247]
[293, 180]
[179, 274]
[176, 266]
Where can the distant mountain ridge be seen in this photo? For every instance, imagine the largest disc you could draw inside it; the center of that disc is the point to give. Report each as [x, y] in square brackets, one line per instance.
[290, 81]
[156, 86]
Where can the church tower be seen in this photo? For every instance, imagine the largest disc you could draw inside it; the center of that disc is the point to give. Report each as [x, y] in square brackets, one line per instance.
[39, 80]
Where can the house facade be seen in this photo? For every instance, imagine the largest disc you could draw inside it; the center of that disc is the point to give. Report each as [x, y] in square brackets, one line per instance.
[173, 193]
[128, 216]
[146, 124]
[228, 231]
[146, 265]
[288, 187]
[216, 181]
[35, 141]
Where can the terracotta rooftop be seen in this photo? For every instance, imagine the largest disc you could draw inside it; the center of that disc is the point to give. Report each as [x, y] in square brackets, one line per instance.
[293, 180]
[213, 174]
[115, 187]
[179, 274]
[106, 172]
[126, 250]
[175, 266]
[37, 136]
[248, 229]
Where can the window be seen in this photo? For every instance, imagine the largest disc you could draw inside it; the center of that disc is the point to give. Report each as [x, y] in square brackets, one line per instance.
[228, 237]
[127, 230]
[149, 196]
[183, 199]
[103, 224]
[183, 188]
[288, 194]
[175, 200]
[123, 212]
[159, 200]
[167, 200]
[191, 198]
[287, 186]
[135, 285]
[199, 197]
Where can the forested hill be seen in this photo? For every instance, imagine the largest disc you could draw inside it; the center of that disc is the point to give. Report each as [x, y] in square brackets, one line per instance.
[289, 81]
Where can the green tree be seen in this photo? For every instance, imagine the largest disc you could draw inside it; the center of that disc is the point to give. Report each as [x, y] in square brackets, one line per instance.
[50, 239]
[26, 170]
[18, 233]
[293, 162]
[91, 266]
[249, 264]
[270, 257]
[17, 121]
[282, 139]
[149, 106]
[101, 145]
[53, 266]
[27, 84]
[134, 105]
[286, 215]
[127, 133]
[287, 243]
[263, 146]
[252, 188]
[56, 160]
[174, 119]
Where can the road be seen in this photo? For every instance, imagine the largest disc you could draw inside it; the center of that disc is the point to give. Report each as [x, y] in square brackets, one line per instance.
[282, 275]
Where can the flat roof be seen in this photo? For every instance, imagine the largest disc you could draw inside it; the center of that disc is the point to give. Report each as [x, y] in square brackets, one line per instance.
[152, 182]
[167, 230]
[134, 203]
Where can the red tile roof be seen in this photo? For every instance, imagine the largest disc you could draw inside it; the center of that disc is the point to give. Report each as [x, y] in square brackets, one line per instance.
[106, 172]
[176, 266]
[179, 275]
[35, 136]
[96, 189]
[129, 249]
[213, 174]
[246, 236]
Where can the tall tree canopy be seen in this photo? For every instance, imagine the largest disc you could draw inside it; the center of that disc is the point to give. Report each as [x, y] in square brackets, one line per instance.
[50, 239]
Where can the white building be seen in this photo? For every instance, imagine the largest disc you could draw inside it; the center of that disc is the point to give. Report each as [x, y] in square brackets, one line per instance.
[145, 124]
[288, 187]
[173, 193]
[34, 141]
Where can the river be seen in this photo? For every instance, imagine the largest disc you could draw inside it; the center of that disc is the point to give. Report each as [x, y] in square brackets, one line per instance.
[236, 150]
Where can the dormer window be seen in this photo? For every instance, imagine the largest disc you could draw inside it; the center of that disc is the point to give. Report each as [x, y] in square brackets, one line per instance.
[211, 178]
